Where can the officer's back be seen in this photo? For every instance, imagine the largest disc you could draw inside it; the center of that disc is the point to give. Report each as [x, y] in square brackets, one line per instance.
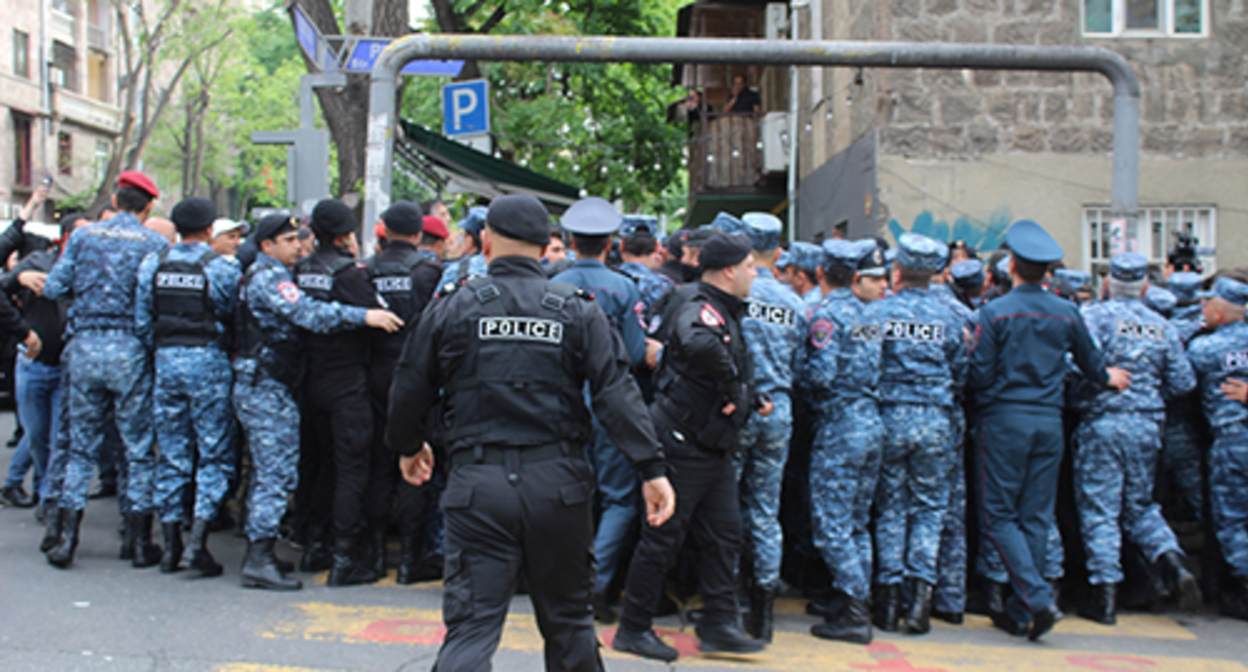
[403, 277]
[331, 273]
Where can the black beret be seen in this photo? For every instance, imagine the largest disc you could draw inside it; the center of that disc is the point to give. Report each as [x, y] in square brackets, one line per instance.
[722, 250]
[333, 218]
[404, 217]
[519, 217]
[698, 237]
[272, 226]
[193, 214]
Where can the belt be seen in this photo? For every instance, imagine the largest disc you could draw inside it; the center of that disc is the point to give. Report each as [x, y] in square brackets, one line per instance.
[527, 455]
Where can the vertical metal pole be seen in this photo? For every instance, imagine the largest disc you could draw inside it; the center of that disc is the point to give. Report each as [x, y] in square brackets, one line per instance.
[379, 150]
[1124, 196]
[791, 187]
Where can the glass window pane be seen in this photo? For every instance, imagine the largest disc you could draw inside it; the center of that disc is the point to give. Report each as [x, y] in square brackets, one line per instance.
[1143, 14]
[1187, 16]
[1098, 16]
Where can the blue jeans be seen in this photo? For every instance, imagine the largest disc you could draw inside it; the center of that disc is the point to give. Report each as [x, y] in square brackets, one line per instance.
[37, 388]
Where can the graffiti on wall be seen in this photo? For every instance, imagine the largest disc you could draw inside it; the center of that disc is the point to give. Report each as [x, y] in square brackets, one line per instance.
[983, 235]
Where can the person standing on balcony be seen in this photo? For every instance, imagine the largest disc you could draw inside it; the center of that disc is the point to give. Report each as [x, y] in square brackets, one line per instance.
[743, 100]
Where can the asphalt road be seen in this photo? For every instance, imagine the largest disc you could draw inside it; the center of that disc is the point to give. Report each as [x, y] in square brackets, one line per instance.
[104, 615]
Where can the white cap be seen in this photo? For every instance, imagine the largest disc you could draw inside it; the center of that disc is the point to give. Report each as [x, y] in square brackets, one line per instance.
[223, 225]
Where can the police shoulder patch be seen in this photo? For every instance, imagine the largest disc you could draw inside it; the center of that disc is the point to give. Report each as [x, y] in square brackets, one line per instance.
[821, 331]
[1235, 360]
[710, 317]
[639, 309]
[289, 291]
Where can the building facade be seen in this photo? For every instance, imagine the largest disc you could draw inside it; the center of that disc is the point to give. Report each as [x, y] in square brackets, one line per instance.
[59, 108]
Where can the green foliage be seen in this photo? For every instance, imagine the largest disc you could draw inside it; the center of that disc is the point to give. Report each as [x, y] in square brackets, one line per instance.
[600, 127]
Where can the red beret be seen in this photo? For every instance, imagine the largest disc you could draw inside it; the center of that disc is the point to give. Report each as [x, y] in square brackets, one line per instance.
[136, 180]
[379, 231]
[435, 227]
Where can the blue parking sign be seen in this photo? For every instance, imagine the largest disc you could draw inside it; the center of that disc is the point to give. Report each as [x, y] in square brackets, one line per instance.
[466, 108]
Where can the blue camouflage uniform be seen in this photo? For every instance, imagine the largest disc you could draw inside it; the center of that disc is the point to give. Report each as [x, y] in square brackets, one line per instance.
[617, 295]
[841, 370]
[109, 366]
[1183, 448]
[923, 363]
[773, 328]
[194, 417]
[652, 286]
[266, 408]
[1118, 440]
[455, 271]
[807, 257]
[1217, 357]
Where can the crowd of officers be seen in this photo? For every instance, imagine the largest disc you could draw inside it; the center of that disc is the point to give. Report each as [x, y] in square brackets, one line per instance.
[650, 417]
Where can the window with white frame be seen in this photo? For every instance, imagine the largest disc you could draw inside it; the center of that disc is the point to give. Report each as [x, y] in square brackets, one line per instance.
[1152, 235]
[1145, 18]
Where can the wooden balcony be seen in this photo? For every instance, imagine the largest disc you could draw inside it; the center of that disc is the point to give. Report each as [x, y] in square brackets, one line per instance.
[726, 156]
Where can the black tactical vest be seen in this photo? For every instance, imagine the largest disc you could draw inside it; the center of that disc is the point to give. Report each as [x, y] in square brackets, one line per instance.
[512, 386]
[182, 303]
[393, 280]
[318, 279]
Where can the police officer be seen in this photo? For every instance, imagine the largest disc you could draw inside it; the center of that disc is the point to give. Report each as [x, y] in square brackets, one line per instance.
[405, 280]
[109, 367]
[773, 327]
[1182, 452]
[1017, 375]
[470, 261]
[803, 270]
[967, 279]
[923, 363]
[433, 236]
[1160, 300]
[842, 369]
[704, 397]
[503, 358]
[1118, 441]
[1218, 357]
[638, 246]
[336, 399]
[267, 372]
[1186, 316]
[184, 308]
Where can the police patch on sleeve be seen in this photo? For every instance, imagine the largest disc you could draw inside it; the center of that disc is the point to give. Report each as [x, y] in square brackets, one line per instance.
[639, 309]
[1139, 330]
[1235, 360]
[821, 332]
[531, 329]
[289, 291]
[710, 317]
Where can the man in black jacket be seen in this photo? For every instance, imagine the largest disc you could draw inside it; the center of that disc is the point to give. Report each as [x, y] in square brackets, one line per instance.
[703, 397]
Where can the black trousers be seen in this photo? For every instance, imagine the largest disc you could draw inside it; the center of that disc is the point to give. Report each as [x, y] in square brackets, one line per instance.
[383, 469]
[504, 519]
[340, 395]
[707, 506]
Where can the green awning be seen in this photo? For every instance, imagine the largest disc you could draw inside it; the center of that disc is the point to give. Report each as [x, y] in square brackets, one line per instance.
[467, 170]
[707, 205]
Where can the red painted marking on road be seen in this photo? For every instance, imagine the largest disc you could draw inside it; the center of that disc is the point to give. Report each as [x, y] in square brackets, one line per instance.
[402, 631]
[889, 657]
[1110, 662]
[686, 645]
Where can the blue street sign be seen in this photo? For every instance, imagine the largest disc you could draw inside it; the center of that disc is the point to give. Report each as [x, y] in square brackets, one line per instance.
[466, 108]
[364, 57]
[306, 33]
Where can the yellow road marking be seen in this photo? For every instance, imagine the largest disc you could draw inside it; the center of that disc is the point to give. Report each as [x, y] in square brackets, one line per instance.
[791, 652]
[257, 667]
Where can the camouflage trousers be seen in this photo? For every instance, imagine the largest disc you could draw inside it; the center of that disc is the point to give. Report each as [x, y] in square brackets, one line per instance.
[1115, 464]
[913, 492]
[949, 594]
[270, 417]
[1181, 455]
[195, 428]
[844, 469]
[765, 449]
[1228, 497]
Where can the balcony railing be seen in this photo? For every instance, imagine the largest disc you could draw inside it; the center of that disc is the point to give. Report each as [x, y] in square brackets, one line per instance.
[62, 28]
[726, 155]
[88, 112]
[97, 37]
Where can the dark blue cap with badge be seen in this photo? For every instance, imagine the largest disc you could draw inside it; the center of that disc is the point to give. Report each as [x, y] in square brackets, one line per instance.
[968, 273]
[519, 217]
[1128, 267]
[920, 253]
[727, 223]
[1184, 285]
[870, 258]
[475, 221]
[1030, 242]
[1231, 291]
[840, 253]
[805, 256]
[591, 217]
[763, 228]
[1160, 300]
[635, 226]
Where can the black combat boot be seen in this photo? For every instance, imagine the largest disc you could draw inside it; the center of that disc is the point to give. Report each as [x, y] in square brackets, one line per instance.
[759, 622]
[409, 559]
[1102, 605]
[828, 606]
[197, 556]
[260, 568]
[316, 552]
[349, 568]
[726, 638]
[52, 527]
[1043, 621]
[852, 623]
[1179, 582]
[888, 607]
[127, 542]
[62, 554]
[376, 537]
[918, 616]
[645, 644]
[170, 561]
[430, 567]
[139, 539]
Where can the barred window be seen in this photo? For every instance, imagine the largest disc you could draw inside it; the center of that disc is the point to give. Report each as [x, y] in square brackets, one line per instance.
[1152, 235]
